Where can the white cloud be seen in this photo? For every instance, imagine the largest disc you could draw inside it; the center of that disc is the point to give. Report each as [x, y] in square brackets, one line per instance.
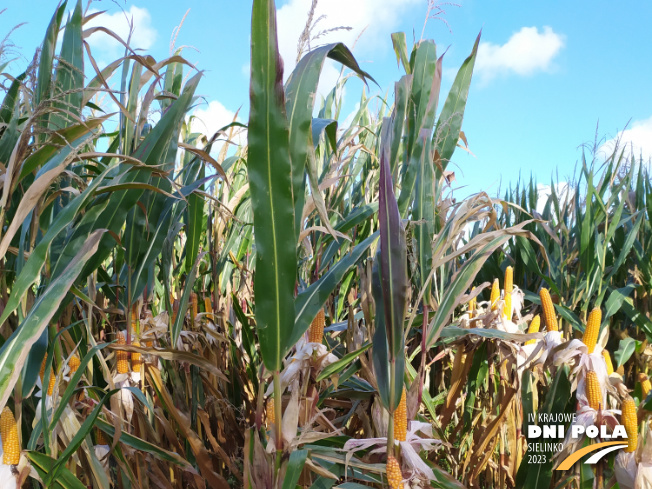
[562, 190]
[525, 53]
[378, 19]
[209, 119]
[143, 36]
[637, 141]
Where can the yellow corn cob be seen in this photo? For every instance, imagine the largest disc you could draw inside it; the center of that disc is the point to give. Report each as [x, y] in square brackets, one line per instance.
[607, 361]
[646, 386]
[51, 381]
[507, 308]
[136, 360]
[394, 475]
[73, 363]
[495, 294]
[630, 422]
[590, 338]
[9, 434]
[208, 305]
[549, 315]
[509, 287]
[472, 304]
[400, 419]
[593, 390]
[271, 413]
[122, 357]
[535, 324]
[134, 314]
[316, 333]
[194, 308]
[509, 279]
[100, 437]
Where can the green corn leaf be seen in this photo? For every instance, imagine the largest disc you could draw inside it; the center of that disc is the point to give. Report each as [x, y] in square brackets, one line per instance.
[271, 187]
[14, 352]
[449, 123]
[43, 466]
[311, 300]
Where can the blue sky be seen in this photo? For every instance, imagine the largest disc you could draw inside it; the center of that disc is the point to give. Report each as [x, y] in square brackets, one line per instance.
[547, 72]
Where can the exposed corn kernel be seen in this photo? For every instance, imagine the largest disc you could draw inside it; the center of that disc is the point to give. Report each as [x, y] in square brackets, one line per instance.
[100, 437]
[194, 307]
[535, 324]
[270, 411]
[73, 364]
[592, 330]
[400, 419]
[646, 386]
[51, 381]
[608, 362]
[316, 333]
[593, 390]
[136, 360]
[472, 305]
[507, 308]
[122, 357]
[208, 306]
[495, 294]
[549, 316]
[630, 422]
[394, 474]
[9, 434]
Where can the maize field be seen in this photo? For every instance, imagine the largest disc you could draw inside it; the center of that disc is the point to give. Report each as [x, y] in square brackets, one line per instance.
[302, 302]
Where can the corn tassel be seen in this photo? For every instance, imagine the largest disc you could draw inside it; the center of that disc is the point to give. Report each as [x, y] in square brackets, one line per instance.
[73, 364]
[593, 390]
[535, 324]
[394, 475]
[592, 330]
[630, 422]
[495, 294]
[9, 434]
[549, 315]
[316, 333]
[646, 386]
[122, 357]
[608, 362]
[400, 419]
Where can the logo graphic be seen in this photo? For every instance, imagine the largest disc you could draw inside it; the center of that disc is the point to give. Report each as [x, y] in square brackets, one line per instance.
[603, 449]
[547, 437]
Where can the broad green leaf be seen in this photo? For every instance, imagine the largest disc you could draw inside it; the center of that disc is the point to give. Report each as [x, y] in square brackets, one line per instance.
[393, 278]
[311, 300]
[69, 83]
[300, 91]
[43, 465]
[294, 467]
[271, 187]
[626, 349]
[449, 124]
[339, 365]
[14, 352]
